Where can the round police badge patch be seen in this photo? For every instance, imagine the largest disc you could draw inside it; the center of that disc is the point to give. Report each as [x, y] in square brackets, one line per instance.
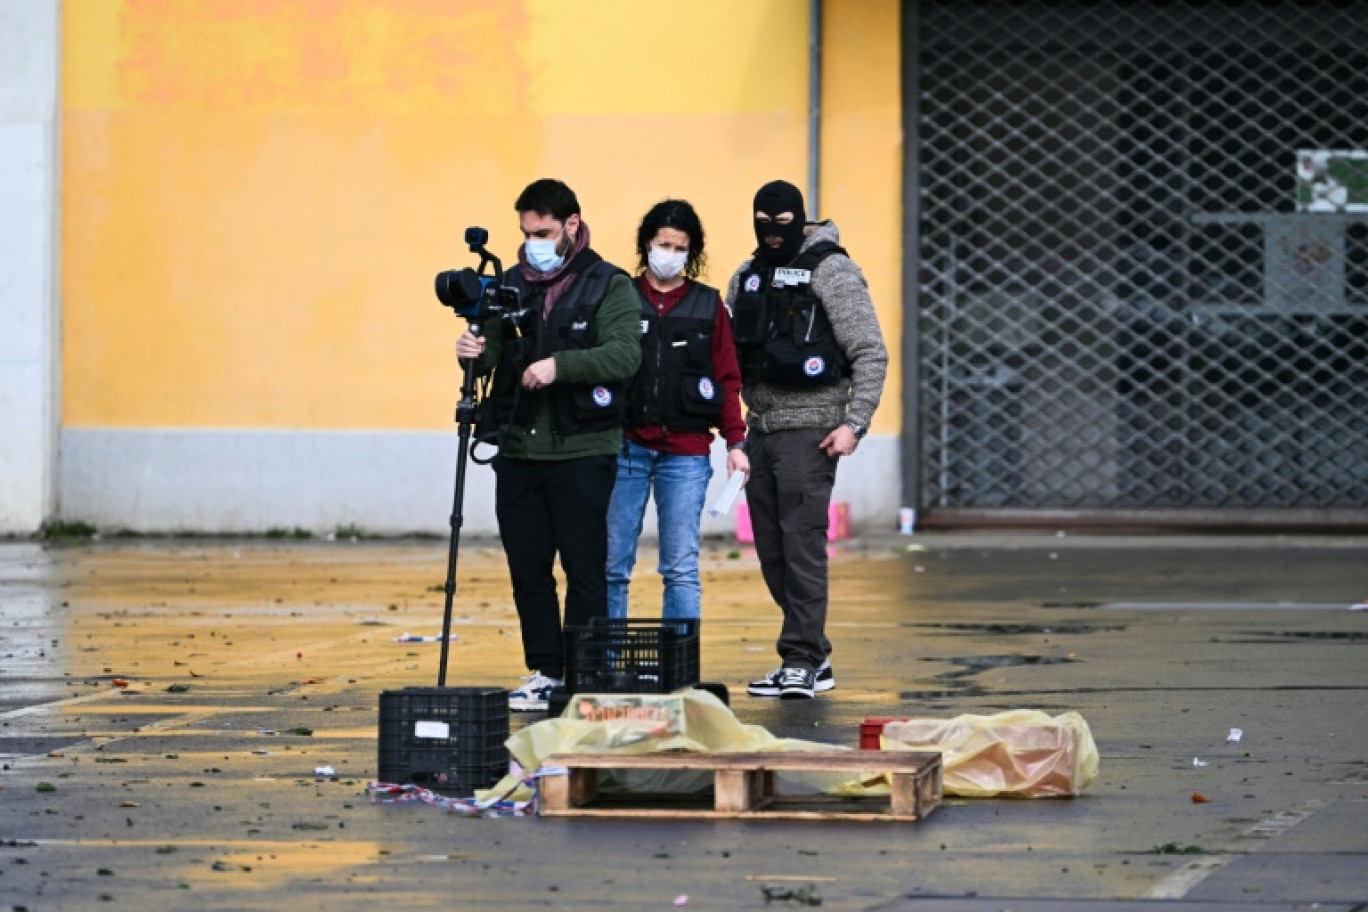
[603, 397]
[706, 388]
[814, 366]
[752, 283]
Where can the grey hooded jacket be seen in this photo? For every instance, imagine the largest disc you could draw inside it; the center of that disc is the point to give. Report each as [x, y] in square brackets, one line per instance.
[844, 294]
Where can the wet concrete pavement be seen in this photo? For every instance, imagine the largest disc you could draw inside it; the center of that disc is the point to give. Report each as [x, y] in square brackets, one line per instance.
[185, 789]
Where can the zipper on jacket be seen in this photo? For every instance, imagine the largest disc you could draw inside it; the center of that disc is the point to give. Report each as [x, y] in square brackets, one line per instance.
[655, 397]
[547, 402]
[659, 359]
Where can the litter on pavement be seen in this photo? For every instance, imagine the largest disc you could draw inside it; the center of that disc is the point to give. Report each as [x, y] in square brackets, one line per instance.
[392, 793]
[415, 638]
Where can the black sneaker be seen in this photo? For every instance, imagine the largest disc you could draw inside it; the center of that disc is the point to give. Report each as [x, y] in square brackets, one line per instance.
[797, 683]
[768, 686]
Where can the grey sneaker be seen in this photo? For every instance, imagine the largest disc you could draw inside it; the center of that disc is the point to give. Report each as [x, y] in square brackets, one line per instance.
[768, 686]
[797, 684]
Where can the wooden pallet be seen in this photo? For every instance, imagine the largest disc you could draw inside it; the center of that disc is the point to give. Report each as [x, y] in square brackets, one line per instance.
[744, 786]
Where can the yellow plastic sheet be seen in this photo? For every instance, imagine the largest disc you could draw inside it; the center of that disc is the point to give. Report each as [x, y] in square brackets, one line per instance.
[1023, 753]
[708, 726]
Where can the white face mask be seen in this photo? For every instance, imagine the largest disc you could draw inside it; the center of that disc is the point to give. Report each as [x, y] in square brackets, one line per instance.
[666, 264]
[542, 255]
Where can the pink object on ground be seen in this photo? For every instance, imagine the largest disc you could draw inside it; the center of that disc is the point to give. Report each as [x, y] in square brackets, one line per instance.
[838, 522]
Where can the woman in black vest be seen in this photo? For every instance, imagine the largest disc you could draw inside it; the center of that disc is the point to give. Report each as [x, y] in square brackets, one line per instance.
[687, 385]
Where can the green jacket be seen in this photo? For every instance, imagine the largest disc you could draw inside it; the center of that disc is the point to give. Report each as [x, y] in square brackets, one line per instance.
[615, 357]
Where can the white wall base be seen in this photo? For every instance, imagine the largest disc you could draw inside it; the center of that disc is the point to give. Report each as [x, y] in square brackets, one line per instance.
[387, 483]
[29, 33]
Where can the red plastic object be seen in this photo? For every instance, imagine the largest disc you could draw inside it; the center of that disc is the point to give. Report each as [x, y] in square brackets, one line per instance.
[871, 730]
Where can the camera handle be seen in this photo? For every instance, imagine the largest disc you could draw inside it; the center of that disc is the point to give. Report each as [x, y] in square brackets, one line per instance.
[476, 238]
[465, 420]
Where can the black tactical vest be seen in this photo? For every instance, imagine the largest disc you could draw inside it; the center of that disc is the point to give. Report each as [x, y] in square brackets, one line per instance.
[783, 335]
[676, 387]
[576, 408]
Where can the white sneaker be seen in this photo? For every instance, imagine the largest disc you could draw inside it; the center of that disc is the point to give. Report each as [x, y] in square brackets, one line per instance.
[533, 693]
[770, 684]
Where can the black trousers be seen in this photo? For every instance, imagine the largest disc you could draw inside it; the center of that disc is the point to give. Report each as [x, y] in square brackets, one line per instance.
[547, 509]
[788, 493]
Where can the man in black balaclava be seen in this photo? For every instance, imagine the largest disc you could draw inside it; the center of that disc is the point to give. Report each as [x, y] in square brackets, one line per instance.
[779, 221]
[812, 370]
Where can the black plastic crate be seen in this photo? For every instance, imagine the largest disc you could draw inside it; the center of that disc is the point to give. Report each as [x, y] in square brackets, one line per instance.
[433, 770]
[444, 738]
[631, 655]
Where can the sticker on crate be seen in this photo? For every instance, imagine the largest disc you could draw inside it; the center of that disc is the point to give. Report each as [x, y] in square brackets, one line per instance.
[660, 714]
[425, 729]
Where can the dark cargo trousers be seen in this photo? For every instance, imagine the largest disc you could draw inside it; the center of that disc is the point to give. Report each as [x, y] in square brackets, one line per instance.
[549, 508]
[788, 495]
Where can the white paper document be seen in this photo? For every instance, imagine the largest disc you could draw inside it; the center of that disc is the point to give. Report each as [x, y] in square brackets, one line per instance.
[722, 506]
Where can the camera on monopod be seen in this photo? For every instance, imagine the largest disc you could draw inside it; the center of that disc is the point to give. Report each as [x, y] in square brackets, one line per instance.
[474, 293]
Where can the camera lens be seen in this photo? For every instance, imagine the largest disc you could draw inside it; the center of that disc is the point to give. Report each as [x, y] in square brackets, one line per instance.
[457, 288]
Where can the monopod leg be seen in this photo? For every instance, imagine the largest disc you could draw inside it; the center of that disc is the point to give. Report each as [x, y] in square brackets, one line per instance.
[465, 419]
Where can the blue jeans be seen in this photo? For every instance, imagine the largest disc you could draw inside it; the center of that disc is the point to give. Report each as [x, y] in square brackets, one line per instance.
[680, 484]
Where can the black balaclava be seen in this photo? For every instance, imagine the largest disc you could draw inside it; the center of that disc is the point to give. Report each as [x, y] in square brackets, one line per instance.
[772, 199]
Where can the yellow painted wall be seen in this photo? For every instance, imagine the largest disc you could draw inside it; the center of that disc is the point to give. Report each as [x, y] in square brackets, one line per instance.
[257, 193]
[861, 151]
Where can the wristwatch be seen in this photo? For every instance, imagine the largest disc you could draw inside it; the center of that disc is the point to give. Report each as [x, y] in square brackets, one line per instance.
[739, 445]
[859, 429]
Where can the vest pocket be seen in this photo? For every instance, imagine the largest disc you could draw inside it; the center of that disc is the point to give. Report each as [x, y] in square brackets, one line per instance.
[698, 351]
[749, 321]
[700, 396]
[581, 332]
[596, 407]
[789, 364]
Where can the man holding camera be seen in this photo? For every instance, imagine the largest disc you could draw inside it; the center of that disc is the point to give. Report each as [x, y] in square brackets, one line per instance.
[560, 367]
[813, 363]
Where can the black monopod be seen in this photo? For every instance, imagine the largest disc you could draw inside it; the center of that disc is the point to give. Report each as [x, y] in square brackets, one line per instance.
[473, 294]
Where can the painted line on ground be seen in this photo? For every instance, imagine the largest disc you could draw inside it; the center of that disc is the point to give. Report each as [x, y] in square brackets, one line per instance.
[37, 708]
[1226, 606]
[1180, 882]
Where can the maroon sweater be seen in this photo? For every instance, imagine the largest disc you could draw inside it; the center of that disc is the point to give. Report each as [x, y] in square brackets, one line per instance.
[725, 373]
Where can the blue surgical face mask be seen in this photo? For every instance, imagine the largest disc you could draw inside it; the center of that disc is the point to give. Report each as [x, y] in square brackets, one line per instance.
[541, 253]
